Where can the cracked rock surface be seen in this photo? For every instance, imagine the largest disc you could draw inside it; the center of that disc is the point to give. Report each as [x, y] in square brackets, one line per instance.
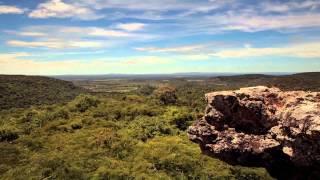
[261, 126]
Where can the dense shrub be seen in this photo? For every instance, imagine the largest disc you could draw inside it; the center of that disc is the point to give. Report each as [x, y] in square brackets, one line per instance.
[115, 144]
[181, 118]
[32, 143]
[133, 99]
[10, 157]
[25, 91]
[243, 173]
[128, 112]
[29, 116]
[144, 128]
[83, 102]
[8, 133]
[114, 170]
[76, 125]
[180, 159]
[57, 168]
[60, 114]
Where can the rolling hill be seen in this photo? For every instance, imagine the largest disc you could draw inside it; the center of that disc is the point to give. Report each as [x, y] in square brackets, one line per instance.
[309, 81]
[23, 91]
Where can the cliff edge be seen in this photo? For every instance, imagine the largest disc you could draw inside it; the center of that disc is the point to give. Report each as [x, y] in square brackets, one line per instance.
[261, 126]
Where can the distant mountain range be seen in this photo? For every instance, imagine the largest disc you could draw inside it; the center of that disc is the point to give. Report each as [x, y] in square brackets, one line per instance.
[157, 76]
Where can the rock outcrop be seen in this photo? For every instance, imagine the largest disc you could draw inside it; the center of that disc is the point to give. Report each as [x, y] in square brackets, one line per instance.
[260, 126]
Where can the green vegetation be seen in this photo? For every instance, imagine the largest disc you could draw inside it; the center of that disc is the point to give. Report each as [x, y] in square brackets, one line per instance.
[25, 91]
[134, 134]
[302, 81]
[124, 137]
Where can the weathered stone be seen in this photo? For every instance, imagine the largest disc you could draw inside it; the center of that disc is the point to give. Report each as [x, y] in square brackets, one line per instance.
[261, 126]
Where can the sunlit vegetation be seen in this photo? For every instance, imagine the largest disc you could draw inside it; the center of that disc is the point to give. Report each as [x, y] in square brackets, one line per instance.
[122, 136]
[139, 133]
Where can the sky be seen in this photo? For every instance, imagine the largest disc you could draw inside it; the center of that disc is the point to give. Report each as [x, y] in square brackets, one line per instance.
[64, 37]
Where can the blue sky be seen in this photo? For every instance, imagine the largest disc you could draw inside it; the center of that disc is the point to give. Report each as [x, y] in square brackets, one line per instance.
[53, 37]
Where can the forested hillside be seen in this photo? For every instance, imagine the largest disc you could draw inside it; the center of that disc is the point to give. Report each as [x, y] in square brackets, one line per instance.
[24, 91]
[302, 81]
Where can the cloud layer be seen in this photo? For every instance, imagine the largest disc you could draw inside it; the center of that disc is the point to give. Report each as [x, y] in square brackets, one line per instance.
[57, 35]
[60, 9]
[307, 50]
[11, 10]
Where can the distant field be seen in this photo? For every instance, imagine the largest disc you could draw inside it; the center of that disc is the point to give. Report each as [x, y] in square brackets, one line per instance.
[303, 81]
[109, 85]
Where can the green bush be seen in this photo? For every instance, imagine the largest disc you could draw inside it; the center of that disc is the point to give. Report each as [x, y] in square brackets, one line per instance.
[57, 168]
[129, 112]
[83, 102]
[29, 116]
[114, 170]
[33, 143]
[182, 120]
[10, 157]
[133, 98]
[180, 159]
[60, 114]
[116, 145]
[243, 173]
[76, 125]
[144, 128]
[8, 133]
[180, 117]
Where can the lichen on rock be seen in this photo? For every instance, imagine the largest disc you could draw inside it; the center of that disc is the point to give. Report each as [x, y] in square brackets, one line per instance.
[261, 126]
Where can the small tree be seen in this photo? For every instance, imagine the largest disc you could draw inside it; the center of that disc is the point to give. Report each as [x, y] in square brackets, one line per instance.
[166, 94]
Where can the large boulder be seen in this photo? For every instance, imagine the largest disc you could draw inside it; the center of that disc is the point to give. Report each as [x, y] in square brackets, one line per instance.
[261, 126]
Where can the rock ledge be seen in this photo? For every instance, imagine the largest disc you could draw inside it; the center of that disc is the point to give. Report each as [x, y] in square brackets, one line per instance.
[261, 126]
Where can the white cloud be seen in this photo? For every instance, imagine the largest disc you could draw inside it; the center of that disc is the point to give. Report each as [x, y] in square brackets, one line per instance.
[27, 33]
[152, 5]
[32, 34]
[107, 33]
[73, 32]
[179, 49]
[205, 52]
[254, 23]
[10, 10]
[289, 6]
[131, 26]
[59, 37]
[56, 44]
[307, 50]
[155, 10]
[60, 9]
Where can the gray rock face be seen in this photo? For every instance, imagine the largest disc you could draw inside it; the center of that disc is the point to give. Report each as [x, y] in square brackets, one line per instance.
[260, 126]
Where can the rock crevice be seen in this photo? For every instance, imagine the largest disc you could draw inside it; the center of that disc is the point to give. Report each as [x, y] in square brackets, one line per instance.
[261, 126]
